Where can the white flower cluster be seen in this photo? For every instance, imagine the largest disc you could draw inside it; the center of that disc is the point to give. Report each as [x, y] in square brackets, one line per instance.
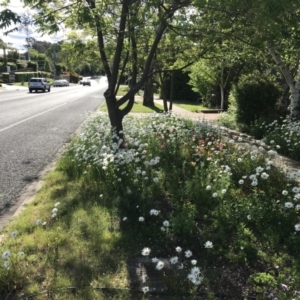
[6, 255]
[195, 276]
[55, 209]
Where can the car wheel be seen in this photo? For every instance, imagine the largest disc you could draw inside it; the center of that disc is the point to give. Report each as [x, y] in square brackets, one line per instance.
[49, 89]
[30, 90]
[44, 90]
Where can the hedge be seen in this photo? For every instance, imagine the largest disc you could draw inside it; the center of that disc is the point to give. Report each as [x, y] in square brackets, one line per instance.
[25, 76]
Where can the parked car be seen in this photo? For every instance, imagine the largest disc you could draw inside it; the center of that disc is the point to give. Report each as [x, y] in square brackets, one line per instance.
[60, 82]
[36, 84]
[66, 82]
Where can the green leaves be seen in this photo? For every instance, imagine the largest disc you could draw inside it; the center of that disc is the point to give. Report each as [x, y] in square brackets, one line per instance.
[8, 18]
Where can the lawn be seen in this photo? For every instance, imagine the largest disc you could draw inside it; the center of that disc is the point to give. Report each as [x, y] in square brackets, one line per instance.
[182, 211]
[138, 107]
[190, 106]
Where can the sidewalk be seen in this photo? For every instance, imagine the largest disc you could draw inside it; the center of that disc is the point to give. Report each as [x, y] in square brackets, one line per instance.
[183, 113]
[196, 116]
[8, 87]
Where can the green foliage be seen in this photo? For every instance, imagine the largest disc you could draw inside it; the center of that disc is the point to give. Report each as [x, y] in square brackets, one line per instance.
[60, 68]
[7, 19]
[284, 136]
[22, 64]
[258, 128]
[13, 56]
[25, 76]
[263, 282]
[182, 90]
[13, 67]
[47, 66]
[228, 119]
[256, 98]
[173, 183]
[33, 65]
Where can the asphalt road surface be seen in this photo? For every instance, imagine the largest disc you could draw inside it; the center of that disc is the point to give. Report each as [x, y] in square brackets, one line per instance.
[34, 127]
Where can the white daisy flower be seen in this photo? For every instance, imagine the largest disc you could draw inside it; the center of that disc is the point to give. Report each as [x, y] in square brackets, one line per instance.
[145, 289]
[188, 253]
[160, 265]
[173, 260]
[208, 244]
[146, 251]
[14, 234]
[6, 254]
[178, 249]
[166, 223]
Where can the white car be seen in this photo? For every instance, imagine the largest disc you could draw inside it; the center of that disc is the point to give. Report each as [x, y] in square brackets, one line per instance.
[36, 84]
[66, 82]
[60, 82]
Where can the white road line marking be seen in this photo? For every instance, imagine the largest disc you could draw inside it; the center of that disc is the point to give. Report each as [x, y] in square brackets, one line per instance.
[37, 115]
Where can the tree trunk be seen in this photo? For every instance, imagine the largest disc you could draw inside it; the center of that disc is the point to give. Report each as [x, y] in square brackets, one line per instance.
[222, 96]
[294, 87]
[163, 92]
[115, 117]
[148, 99]
[171, 91]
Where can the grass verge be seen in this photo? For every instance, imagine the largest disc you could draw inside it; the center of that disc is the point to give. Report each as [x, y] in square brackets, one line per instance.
[192, 106]
[138, 107]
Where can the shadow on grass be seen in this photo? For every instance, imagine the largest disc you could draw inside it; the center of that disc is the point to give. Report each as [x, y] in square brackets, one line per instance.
[156, 108]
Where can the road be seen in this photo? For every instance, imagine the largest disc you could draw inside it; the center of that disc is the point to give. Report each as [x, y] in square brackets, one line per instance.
[33, 129]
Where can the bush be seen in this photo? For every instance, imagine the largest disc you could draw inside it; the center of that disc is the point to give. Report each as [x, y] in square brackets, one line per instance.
[13, 67]
[33, 66]
[256, 99]
[182, 90]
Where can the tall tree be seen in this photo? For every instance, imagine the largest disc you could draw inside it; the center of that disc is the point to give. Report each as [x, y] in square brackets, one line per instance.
[120, 25]
[269, 26]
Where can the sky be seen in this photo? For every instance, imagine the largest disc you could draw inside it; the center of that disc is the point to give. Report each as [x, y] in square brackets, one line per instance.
[17, 38]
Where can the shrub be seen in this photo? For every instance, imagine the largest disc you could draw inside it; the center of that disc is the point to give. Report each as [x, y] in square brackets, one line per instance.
[33, 66]
[256, 99]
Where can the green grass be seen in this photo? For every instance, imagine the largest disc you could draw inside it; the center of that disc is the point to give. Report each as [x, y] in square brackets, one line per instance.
[206, 187]
[123, 89]
[192, 106]
[138, 107]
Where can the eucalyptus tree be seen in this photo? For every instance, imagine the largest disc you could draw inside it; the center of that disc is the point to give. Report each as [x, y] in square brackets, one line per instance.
[268, 26]
[113, 23]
